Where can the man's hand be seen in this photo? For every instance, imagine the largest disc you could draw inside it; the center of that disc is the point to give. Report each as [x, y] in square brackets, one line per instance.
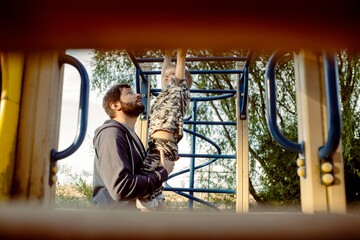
[167, 165]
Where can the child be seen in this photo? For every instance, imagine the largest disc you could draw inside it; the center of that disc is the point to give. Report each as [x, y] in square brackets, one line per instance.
[166, 120]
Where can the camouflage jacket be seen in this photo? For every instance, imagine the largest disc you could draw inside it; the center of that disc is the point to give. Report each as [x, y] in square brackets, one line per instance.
[169, 108]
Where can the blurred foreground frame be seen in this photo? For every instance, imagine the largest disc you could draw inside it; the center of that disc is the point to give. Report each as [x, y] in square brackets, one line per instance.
[112, 24]
[228, 24]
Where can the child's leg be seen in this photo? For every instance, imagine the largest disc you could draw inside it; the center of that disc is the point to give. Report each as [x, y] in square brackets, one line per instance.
[171, 154]
[169, 147]
[152, 159]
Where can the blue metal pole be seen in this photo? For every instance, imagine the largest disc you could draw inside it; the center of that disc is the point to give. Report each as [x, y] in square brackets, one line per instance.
[193, 150]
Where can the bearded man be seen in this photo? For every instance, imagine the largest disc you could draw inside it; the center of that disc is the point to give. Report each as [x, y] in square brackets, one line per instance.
[119, 154]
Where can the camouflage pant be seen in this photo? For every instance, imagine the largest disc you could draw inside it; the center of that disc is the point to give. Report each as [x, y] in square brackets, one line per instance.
[152, 159]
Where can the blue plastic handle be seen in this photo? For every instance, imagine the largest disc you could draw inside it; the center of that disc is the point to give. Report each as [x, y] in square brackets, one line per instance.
[83, 108]
[333, 107]
[270, 93]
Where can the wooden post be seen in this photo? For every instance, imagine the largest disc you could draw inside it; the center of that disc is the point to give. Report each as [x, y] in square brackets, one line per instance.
[312, 129]
[38, 128]
[142, 128]
[242, 158]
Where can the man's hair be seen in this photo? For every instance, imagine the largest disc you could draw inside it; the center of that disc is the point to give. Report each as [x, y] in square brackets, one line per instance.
[113, 96]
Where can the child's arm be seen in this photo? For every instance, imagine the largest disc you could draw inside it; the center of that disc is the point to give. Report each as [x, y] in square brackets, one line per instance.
[167, 61]
[180, 63]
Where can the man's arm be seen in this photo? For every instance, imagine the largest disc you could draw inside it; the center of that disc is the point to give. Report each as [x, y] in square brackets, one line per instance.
[117, 169]
[180, 63]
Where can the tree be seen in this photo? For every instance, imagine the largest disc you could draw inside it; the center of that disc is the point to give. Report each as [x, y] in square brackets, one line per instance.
[109, 67]
[349, 77]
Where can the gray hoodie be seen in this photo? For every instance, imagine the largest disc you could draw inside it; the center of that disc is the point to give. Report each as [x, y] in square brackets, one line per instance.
[117, 180]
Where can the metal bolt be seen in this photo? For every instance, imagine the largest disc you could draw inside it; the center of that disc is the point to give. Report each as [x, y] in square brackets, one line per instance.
[327, 179]
[301, 171]
[326, 167]
[300, 162]
[53, 179]
[54, 169]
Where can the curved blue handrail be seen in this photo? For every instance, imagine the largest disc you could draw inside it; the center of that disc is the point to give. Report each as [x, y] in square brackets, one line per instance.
[83, 108]
[333, 107]
[193, 155]
[270, 93]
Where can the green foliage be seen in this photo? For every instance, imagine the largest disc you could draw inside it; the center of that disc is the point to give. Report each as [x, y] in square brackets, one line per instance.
[349, 77]
[110, 68]
[74, 193]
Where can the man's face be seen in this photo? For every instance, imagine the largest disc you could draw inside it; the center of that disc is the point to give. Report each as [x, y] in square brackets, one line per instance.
[130, 102]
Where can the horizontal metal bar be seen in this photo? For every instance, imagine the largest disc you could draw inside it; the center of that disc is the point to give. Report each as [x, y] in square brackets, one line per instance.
[156, 90]
[193, 59]
[174, 189]
[206, 155]
[200, 72]
[209, 123]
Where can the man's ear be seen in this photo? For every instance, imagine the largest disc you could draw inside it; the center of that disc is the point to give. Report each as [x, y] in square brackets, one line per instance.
[116, 106]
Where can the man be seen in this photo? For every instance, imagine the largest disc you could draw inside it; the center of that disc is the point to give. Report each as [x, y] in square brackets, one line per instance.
[119, 154]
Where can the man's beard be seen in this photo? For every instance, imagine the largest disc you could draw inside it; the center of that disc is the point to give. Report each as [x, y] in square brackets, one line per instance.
[132, 109]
